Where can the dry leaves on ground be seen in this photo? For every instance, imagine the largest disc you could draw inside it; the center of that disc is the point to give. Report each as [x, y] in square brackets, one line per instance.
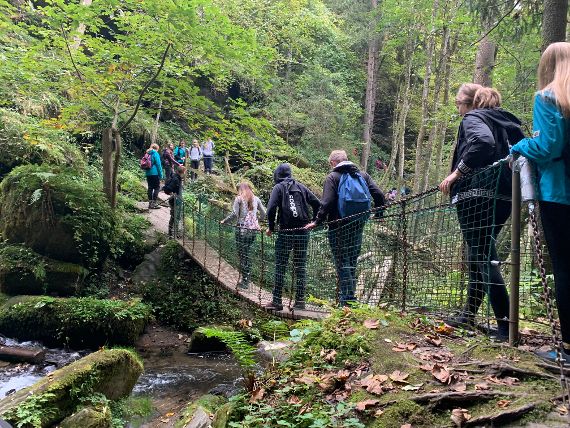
[433, 339]
[398, 376]
[329, 355]
[460, 416]
[257, 395]
[371, 323]
[373, 383]
[363, 405]
[503, 403]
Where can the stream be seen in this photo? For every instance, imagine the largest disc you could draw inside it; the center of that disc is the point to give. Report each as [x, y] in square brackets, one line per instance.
[171, 378]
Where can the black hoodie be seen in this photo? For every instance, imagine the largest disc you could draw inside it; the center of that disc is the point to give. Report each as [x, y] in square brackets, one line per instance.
[329, 203]
[484, 136]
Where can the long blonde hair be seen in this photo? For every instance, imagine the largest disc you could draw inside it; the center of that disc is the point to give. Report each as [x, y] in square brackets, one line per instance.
[554, 74]
[246, 195]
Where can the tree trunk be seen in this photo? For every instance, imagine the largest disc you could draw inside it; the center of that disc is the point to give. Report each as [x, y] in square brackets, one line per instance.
[485, 62]
[107, 145]
[425, 99]
[554, 22]
[154, 133]
[370, 103]
[117, 143]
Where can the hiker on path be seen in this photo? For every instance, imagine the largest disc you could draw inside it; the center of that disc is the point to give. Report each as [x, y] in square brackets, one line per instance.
[289, 205]
[348, 192]
[181, 153]
[549, 152]
[173, 188]
[153, 176]
[247, 209]
[482, 199]
[208, 153]
[195, 156]
[168, 161]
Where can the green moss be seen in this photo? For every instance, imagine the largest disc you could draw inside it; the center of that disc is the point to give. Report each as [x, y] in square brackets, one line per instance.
[76, 322]
[404, 412]
[112, 373]
[28, 140]
[57, 214]
[209, 403]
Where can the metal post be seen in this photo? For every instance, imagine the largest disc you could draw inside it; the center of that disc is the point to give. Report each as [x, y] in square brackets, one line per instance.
[515, 258]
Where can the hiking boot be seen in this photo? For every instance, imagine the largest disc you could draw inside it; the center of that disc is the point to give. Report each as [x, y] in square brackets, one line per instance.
[273, 307]
[550, 357]
[461, 321]
[300, 306]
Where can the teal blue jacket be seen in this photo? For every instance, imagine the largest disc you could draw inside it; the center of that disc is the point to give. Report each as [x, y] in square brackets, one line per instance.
[551, 133]
[156, 168]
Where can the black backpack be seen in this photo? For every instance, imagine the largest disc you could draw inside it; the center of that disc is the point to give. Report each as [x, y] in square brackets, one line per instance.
[294, 210]
[172, 185]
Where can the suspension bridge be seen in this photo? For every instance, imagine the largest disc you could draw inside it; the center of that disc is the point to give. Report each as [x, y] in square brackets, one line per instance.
[412, 258]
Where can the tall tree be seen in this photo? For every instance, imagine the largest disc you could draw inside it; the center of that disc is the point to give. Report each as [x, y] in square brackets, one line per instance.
[554, 21]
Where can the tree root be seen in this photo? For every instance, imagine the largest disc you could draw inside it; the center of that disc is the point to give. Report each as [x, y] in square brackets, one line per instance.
[553, 369]
[504, 369]
[502, 417]
[449, 399]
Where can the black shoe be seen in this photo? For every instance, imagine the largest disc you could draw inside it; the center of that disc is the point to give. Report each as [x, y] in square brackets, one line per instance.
[461, 321]
[300, 306]
[273, 307]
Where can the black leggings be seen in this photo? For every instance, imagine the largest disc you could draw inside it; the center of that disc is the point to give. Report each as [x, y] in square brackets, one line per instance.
[153, 182]
[554, 218]
[481, 220]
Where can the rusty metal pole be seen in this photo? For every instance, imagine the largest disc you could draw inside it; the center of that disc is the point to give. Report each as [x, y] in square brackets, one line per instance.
[515, 257]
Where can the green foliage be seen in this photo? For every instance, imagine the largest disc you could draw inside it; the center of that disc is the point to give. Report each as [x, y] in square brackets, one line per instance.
[58, 321]
[22, 259]
[237, 342]
[33, 412]
[130, 411]
[25, 139]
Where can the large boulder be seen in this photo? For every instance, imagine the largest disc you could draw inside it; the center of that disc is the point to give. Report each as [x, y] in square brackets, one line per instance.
[112, 373]
[23, 271]
[57, 214]
[89, 417]
[75, 322]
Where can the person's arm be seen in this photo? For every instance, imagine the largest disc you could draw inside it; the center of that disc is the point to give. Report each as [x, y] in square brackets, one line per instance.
[375, 192]
[480, 142]
[549, 133]
[314, 202]
[235, 212]
[274, 202]
[158, 163]
[262, 210]
[330, 198]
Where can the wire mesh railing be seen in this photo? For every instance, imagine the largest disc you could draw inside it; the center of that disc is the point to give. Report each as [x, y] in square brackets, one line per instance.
[427, 252]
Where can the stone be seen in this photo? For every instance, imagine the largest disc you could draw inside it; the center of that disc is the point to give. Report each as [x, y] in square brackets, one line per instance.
[199, 343]
[274, 351]
[201, 419]
[147, 271]
[112, 373]
[89, 417]
[222, 416]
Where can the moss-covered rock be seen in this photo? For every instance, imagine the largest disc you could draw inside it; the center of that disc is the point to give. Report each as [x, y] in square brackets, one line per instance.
[193, 413]
[29, 140]
[23, 271]
[75, 322]
[57, 214]
[200, 342]
[223, 415]
[112, 373]
[89, 417]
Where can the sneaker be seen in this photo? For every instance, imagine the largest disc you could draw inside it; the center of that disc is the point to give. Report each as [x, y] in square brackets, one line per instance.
[273, 307]
[550, 357]
[300, 306]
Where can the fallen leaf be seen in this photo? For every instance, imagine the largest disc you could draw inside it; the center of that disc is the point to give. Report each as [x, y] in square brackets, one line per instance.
[562, 410]
[411, 346]
[169, 414]
[388, 340]
[378, 413]
[433, 339]
[257, 395]
[329, 355]
[180, 336]
[412, 387]
[165, 420]
[444, 329]
[459, 387]
[294, 400]
[483, 386]
[503, 403]
[398, 376]
[362, 405]
[406, 426]
[510, 381]
[494, 379]
[441, 373]
[371, 323]
[459, 417]
[428, 367]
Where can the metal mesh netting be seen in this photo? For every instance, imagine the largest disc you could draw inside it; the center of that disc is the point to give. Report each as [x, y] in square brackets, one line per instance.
[423, 253]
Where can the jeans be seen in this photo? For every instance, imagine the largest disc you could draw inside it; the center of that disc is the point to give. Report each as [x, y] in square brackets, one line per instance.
[346, 242]
[208, 162]
[167, 171]
[194, 165]
[298, 241]
[554, 217]
[153, 182]
[244, 240]
[481, 220]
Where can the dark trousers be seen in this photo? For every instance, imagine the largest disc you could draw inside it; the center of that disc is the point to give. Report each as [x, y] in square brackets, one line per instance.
[194, 165]
[153, 182]
[298, 242]
[208, 162]
[244, 240]
[167, 171]
[554, 219]
[175, 216]
[481, 220]
[346, 243]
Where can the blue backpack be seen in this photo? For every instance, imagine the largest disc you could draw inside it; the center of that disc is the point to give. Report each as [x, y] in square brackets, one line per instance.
[353, 195]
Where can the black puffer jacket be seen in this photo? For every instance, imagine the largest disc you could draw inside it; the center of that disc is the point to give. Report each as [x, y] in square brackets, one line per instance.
[329, 202]
[484, 137]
